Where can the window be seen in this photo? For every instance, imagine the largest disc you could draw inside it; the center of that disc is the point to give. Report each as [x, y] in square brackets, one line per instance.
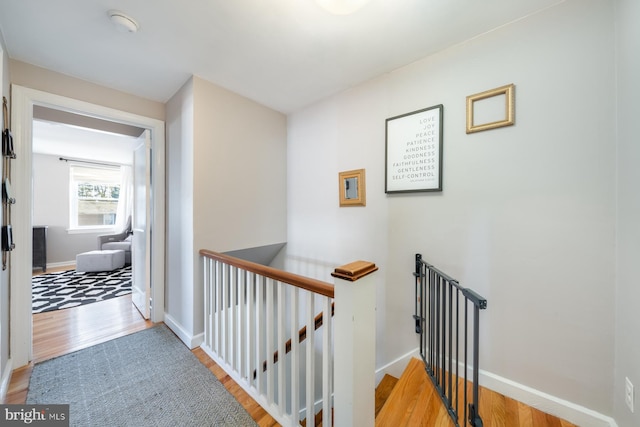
[94, 193]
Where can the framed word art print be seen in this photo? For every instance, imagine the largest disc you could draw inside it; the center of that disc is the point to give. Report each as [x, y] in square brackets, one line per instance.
[414, 151]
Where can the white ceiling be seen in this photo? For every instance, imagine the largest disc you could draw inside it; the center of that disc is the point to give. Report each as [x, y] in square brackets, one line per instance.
[76, 142]
[285, 54]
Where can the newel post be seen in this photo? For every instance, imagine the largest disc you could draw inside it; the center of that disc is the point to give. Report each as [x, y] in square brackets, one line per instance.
[354, 344]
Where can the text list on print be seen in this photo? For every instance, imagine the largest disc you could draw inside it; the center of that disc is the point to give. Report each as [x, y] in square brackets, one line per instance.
[414, 143]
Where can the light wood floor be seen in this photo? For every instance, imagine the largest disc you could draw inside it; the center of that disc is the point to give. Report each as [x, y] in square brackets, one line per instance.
[413, 401]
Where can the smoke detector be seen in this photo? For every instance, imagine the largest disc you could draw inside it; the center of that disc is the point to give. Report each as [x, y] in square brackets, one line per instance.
[123, 22]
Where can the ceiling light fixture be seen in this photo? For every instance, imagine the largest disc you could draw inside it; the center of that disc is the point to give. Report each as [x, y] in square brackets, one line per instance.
[341, 7]
[123, 22]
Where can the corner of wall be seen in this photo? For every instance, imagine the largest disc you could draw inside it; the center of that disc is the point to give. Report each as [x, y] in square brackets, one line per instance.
[191, 341]
[396, 367]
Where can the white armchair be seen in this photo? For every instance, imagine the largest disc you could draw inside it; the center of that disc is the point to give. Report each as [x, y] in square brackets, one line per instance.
[120, 241]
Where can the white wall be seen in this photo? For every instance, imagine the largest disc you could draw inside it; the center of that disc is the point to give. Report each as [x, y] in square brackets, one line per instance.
[51, 208]
[527, 214]
[226, 191]
[239, 176]
[627, 331]
[179, 301]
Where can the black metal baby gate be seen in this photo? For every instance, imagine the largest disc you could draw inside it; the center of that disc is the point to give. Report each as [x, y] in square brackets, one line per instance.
[444, 338]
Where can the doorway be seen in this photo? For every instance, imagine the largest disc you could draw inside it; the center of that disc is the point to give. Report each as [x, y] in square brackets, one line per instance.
[24, 101]
[82, 184]
[82, 187]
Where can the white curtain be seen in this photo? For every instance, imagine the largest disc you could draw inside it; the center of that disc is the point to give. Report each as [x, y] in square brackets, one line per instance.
[125, 201]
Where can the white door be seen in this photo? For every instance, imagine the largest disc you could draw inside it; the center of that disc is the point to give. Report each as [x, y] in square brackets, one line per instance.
[141, 246]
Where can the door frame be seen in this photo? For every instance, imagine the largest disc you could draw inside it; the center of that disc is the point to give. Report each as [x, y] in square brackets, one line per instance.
[23, 99]
[140, 259]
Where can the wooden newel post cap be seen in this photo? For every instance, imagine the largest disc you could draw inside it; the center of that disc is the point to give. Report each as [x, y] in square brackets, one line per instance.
[354, 270]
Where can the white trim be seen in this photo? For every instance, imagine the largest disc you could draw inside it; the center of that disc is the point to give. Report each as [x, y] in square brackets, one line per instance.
[545, 402]
[191, 341]
[6, 379]
[23, 100]
[70, 264]
[271, 407]
[92, 230]
[396, 367]
[113, 180]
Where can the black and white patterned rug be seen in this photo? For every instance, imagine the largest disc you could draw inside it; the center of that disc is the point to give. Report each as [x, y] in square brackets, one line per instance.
[66, 289]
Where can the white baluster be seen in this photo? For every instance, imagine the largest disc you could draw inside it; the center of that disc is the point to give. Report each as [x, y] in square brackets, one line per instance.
[242, 323]
[232, 316]
[269, 324]
[260, 353]
[295, 357]
[281, 341]
[224, 351]
[251, 328]
[207, 305]
[311, 360]
[218, 316]
[327, 362]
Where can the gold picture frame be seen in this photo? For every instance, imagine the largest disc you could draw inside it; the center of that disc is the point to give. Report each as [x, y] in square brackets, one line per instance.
[491, 115]
[352, 188]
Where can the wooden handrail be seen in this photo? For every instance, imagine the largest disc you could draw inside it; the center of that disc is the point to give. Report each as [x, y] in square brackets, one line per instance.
[313, 285]
[302, 335]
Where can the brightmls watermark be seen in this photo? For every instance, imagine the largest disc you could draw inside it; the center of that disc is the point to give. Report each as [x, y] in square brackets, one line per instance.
[34, 415]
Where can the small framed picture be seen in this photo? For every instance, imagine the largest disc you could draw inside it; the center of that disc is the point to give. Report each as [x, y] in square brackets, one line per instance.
[414, 151]
[352, 188]
[490, 109]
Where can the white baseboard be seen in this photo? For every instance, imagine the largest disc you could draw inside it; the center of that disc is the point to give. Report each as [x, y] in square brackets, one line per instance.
[191, 341]
[396, 367]
[197, 340]
[70, 264]
[6, 380]
[547, 403]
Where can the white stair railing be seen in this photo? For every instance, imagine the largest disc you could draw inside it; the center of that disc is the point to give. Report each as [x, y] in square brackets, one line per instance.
[272, 332]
